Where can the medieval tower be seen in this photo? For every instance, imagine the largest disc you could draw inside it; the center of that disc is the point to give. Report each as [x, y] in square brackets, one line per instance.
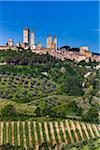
[55, 43]
[32, 40]
[26, 36]
[49, 42]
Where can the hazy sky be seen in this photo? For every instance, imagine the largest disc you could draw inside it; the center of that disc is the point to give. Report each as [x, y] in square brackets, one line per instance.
[74, 23]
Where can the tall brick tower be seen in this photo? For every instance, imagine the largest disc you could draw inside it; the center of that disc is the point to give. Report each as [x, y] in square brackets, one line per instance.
[49, 41]
[55, 43]
[32, 40]
[26, 36]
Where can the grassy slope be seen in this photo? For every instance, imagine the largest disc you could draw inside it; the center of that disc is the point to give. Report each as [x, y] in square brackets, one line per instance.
[20, 107]
[28, 108]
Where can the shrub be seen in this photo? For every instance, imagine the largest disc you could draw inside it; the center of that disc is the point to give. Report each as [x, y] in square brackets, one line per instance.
[8, 112]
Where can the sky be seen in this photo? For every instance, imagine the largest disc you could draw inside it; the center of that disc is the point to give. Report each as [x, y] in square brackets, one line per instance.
[75, 23]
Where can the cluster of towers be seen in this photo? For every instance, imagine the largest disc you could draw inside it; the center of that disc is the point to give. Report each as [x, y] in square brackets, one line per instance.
[29, 39]
[51, 44]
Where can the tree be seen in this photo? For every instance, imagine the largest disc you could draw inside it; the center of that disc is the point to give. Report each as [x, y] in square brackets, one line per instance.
[38, 112]
[9, 112]
[89, 91]
[74, 108]
[83, 63]
[92, 114]
[73, 86]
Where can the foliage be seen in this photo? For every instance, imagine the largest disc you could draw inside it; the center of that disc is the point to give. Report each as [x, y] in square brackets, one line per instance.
[73, 86]
[63, 91]
[92, 114]
[38, 112]
[8, 112]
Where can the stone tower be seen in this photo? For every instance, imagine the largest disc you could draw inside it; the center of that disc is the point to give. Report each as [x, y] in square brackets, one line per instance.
[26, 36]
[39, 46]
[83, 49]
[10, 42]
[55, 43]
[49, 42]
[32, 40]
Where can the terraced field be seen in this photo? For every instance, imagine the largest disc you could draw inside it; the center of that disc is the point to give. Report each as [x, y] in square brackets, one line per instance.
[30, 133]
[25, 88]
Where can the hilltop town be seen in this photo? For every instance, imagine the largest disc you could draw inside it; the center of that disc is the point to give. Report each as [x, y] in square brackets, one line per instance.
[49, 96]
[64, 52]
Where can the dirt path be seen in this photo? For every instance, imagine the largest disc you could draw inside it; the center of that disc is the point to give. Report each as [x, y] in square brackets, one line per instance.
[74, 129]
[90, 129]
[69, 131]
[41, 133]
[85, 130]
[80, 130]
[18, 131]
[35, 133]
[30, 135]
[37, 147]
[46, 132]
[98, 127]
[24, 135]
[2, 132]
[7, 126]
[95, 130]
[52, 133]
[63, 130]
[13, 133]
[58, 132]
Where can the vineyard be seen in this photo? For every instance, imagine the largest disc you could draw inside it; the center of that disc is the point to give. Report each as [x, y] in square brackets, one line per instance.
[27, 134]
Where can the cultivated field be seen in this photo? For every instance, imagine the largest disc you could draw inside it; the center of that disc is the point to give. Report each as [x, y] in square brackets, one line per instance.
[25, 88]
[29, 133]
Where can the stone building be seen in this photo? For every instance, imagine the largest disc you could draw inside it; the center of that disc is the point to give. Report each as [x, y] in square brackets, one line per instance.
[4, 47]
[49, 41]
[32, 40]
[55, 43]
[10, 42]
[88, 54]
[26, 36]
[84, 50]
[51, 44]
[95, 58]
[39, 46]
[8, 47]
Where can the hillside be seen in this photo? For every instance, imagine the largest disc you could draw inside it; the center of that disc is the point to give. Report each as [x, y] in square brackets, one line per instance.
[46, 103]
[49, 88]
